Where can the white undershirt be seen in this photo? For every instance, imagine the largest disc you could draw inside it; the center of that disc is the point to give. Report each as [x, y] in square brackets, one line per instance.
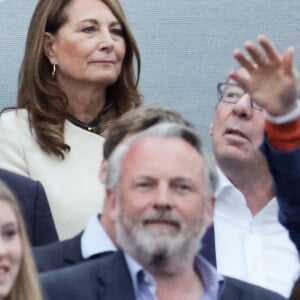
[253, 249]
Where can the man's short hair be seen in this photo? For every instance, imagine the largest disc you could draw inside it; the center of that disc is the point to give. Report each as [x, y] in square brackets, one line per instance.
[165, 130]
[136, 120]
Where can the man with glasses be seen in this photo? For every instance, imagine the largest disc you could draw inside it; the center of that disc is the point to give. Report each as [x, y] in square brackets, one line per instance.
[281, 144]
[251, 244]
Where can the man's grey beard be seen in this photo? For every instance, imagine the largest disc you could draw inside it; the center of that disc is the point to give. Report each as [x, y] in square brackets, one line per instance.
[166, 251]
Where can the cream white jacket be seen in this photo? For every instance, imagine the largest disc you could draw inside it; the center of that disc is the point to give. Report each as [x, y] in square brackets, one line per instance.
[72, 185]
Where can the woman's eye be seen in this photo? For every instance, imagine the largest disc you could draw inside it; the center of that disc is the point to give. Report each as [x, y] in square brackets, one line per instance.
[88, 29]
[117, 31]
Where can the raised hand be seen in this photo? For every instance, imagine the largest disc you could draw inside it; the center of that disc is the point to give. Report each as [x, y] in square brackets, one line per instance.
[269, 77]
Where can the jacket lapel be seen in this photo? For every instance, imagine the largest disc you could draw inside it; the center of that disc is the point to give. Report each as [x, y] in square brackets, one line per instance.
[208, 249]
[114, 280]
[71, 250]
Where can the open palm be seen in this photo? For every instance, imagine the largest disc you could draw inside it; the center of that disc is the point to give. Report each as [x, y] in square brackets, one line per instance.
[270, 78]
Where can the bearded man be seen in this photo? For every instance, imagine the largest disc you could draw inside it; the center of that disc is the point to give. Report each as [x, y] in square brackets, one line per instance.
[160, 185]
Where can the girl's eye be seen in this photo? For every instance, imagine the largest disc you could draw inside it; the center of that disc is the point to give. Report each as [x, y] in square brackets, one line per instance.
[9, 234]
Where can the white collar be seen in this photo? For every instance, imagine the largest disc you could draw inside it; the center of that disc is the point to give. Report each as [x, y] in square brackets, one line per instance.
[231, 201]
[95, 239]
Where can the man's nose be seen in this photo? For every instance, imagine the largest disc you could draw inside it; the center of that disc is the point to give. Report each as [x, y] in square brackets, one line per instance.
[163, 197]
[243, 107]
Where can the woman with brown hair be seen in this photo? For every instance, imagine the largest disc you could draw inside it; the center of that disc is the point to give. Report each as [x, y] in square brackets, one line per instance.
[18, 279]
[76, 78]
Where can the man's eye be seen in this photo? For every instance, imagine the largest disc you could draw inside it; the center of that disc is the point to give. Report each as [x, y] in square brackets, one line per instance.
[233, 95]
[144, 185]
[88, 29]
[183, 187]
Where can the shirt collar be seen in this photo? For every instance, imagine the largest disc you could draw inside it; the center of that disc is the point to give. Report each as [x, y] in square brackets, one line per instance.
[230, 199]
[135, 270]
[95, 240]
[224, 182]
[211, 280]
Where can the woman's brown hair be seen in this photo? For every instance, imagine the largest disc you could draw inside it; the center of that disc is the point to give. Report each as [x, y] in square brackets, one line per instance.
[39, 93]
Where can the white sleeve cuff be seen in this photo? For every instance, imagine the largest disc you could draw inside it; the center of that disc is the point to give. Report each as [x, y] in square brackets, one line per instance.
[291, 116]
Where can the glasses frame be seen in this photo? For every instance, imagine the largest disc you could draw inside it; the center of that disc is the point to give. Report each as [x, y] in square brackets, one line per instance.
[220, 95]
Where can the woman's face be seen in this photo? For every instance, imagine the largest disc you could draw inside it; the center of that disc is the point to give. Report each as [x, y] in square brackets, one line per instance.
[90, 46]
[10, 248]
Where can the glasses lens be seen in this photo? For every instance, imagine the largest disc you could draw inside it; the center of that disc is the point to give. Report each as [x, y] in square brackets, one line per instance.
[229, 92]
[255, 106]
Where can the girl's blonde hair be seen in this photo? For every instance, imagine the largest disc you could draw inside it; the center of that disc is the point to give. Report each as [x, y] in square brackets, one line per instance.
[26, 285]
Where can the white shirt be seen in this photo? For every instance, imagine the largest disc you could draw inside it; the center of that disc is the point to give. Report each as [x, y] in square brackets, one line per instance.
[95, 240]
[253, 249]
[72, 186]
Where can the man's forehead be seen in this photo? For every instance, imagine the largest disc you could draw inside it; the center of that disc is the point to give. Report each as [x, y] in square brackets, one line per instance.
[165, 149]
[158, 143]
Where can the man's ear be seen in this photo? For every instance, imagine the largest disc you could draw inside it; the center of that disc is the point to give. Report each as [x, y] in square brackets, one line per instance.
[211, 129]
[103, 170]
[111, 202]
[49, 47]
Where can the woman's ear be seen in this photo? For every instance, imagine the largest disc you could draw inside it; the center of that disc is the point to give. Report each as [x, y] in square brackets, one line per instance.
[49, 48]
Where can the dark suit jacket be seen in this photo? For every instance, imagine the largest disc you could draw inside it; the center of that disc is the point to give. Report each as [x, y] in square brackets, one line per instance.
[34, 206]
[285, 169]
[108, 278]
[58, 254]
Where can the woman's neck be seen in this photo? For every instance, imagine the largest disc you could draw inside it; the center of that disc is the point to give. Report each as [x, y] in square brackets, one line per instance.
[85, 101]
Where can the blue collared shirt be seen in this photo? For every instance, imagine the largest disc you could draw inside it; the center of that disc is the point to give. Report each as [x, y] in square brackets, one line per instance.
[95, 240]
[145, 286]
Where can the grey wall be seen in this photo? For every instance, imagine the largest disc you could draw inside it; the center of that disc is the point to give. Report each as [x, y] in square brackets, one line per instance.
[186, 46]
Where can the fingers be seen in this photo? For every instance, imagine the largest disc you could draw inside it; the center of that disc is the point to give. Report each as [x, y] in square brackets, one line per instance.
[257, 56]
[288, 60]
[239, 76]
[243, 61]
[269, 48]
[269, 57]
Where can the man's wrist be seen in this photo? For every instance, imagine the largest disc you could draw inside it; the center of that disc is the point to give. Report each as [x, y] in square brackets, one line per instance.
[289, 117]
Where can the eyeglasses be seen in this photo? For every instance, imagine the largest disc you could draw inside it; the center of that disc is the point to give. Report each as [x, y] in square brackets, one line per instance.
[232, 93]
